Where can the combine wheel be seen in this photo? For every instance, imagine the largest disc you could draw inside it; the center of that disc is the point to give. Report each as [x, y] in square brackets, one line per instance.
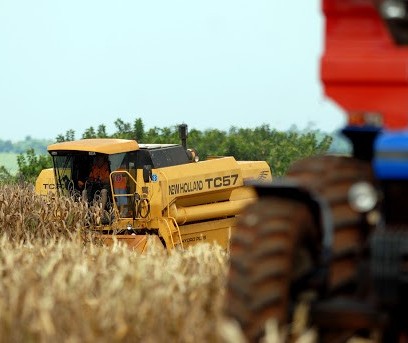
[331, 177]
[273, 245]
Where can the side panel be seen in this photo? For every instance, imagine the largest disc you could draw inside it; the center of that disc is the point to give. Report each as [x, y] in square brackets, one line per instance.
[45, 182]
[200, 183]
[217, 231]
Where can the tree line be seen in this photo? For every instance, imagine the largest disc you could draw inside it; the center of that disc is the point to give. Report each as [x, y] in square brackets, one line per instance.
[278, 148]
[20, 147]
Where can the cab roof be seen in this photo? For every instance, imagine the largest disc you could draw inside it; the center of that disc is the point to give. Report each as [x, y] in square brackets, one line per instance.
[99, 145]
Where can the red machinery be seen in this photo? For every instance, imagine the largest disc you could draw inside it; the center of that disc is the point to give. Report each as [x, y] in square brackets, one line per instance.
[336, 226]
[365, 66]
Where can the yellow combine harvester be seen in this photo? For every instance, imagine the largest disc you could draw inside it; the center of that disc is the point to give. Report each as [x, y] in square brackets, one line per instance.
[156, 189]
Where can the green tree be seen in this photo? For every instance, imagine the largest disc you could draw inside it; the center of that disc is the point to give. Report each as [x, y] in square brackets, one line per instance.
[209, 143]
[30, 165]
[60, 138]
[69, 136]
[6, 146]
[138, 129]
[287, 147]
[123, 129]
[279, 149]
[89, 133]
[101, 131]
[5, 176]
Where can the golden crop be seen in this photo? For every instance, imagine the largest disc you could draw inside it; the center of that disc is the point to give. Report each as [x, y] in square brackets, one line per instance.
[65, 292]
[26, 216]
[53, 287]
[56, 288]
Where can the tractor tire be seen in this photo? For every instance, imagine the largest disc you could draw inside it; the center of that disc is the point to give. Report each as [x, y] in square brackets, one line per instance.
[269, 251]
[331, 177]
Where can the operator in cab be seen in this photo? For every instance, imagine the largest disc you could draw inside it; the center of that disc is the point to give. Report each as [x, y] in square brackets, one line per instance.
[98, 179]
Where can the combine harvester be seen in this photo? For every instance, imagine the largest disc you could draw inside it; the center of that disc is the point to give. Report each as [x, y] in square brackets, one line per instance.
[337, 227]
[161, 190]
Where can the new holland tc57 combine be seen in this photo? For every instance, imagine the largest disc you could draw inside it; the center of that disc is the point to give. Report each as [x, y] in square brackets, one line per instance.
[335, 226]
[161, 190]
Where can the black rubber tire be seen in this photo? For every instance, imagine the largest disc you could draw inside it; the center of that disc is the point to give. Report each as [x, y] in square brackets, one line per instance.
[266, 258]
[331, 177]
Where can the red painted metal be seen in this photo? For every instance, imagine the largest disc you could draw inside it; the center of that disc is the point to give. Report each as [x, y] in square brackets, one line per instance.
[362, 69]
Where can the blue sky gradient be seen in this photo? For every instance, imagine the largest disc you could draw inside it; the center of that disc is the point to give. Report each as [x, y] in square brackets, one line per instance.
[211, 64]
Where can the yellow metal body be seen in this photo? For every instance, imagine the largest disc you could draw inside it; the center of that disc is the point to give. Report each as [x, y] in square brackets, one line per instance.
[45, 182]
[179, 204]
[97, 145]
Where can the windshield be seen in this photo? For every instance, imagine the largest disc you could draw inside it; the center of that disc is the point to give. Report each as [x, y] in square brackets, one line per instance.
[72, 169]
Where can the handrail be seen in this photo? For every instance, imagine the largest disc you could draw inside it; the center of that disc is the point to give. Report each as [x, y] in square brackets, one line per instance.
[168, 213]
[165, 219]
[177, 230]
[114, 195]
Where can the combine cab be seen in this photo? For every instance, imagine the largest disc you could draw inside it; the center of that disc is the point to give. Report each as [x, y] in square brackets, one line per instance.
[158, 189]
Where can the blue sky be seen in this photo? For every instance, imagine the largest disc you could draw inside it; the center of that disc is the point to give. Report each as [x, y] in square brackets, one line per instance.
[210, 64]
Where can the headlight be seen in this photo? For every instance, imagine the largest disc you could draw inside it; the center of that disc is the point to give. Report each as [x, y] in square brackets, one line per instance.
[393, 9]
[362, 197]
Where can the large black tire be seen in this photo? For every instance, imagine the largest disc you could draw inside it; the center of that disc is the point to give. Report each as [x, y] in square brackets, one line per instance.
[273, 245]
[331, 177]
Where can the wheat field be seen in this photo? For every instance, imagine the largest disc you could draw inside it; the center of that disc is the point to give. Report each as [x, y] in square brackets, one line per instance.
[56, 287]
